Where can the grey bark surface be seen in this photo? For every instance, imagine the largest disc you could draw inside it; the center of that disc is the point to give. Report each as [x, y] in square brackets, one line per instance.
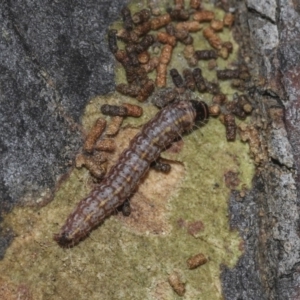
[268, 217]
[54, 60]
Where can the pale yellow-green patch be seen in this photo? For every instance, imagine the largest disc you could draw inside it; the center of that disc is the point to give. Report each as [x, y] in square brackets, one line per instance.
[116, 262]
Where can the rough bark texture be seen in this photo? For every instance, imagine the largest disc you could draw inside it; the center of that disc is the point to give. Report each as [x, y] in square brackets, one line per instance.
[54, 60]
[268, 217]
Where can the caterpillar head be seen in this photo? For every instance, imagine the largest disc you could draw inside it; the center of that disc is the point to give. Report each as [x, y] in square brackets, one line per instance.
[201, 109]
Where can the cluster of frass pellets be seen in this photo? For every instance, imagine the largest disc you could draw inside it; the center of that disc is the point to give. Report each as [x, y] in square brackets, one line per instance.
[99, 142]
[149, 27]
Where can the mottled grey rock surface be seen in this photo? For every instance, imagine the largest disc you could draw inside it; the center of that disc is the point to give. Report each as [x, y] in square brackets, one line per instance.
[54, 58]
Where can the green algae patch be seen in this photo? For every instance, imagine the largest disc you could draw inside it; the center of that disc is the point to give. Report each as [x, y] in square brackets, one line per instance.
[131, 258]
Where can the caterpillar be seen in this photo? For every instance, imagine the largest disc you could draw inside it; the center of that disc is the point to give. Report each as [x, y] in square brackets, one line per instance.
[122, 179]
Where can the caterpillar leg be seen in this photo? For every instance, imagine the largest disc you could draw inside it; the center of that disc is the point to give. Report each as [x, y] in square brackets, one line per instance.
[161, 166]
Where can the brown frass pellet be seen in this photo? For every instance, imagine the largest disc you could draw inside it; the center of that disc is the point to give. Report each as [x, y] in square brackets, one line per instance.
[195, 4]
[189, 79]
[142, 28]
[176, 78]
[179, 14]
[163, 97]
[133, 110]
[108, 145]
[228, 19]
[196, 261]
[128, 89]
[230, 125]
[212, 87]
[146, 90]
[95, 132]
[228, 74]
[219, 99]
[141, 16]
[212, 38]
[176, 283]
[114, 110]
[199, 80]
[114, 125]
[112, 40]
[206, 54]
[160, 21]
[203, 16]
[127, 19]
[214, 110]
[245, 104]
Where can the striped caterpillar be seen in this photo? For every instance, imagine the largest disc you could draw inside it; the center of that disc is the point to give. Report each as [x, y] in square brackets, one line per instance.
[133, 163]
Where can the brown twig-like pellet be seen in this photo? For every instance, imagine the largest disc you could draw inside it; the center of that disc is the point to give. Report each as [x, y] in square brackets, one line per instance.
[142, 46]
[245, 104]
[160, 21]
[216, 25]
[212, 87]
[170, 29]
[228, 74]
[114, 126]
[161, 75]
[166, 54]
[199, 80]
[203, 16]
[133, 110]
[228, 46]
[223, 52]
[214, 110]
[133, 58]
[126, 15]
[234, 108]
[94, 134]
[166, 38]
[142, 29]
[176, 78]
[164, 97]
[219, 99]
[114, 110]
[108, 145]
[230, 125]
[195, 4]
[128, 89]
[189, 79]
[179, 14]
[144, 57]
[228, 19]
[176, 283]
[141, 16]
[151, 65]
[206, 54]
[196, 261]
[188, 51]
[128, 36]
[122, 57]
[184, 37]
[212, 38]
[95, 164]
[112, 40]
[179, 4]
[146, 90]
[191, 26]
